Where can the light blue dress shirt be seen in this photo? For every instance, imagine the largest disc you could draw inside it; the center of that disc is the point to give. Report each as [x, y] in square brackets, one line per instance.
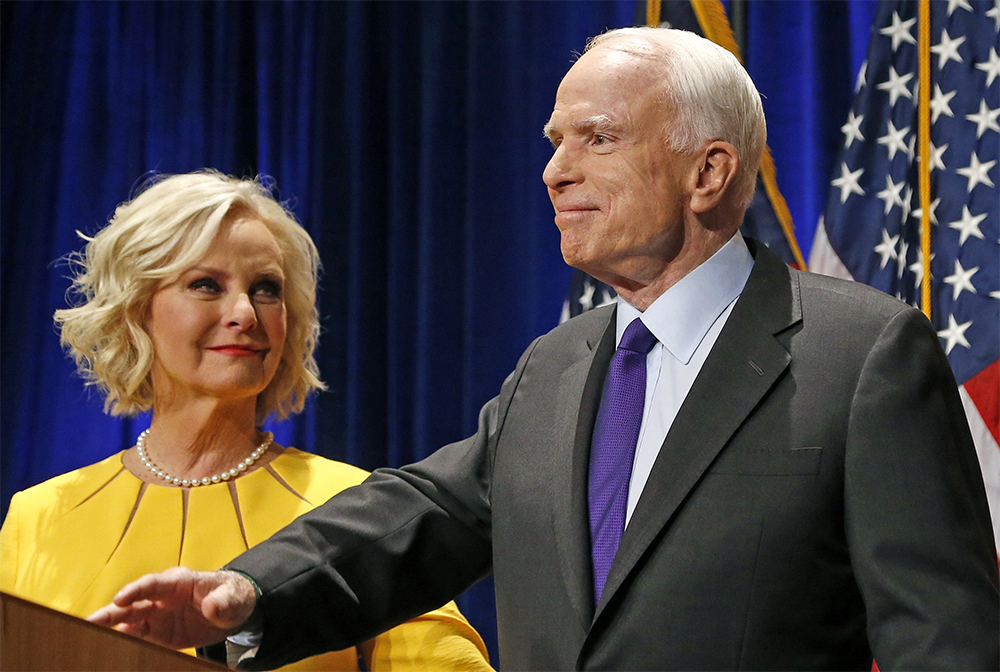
[686, 320]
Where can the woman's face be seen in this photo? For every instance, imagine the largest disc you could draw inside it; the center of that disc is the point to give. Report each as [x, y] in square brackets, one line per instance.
[218, 329]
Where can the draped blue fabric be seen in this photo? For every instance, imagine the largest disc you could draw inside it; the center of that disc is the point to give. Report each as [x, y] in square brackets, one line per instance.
[407, 138]
[804, 58]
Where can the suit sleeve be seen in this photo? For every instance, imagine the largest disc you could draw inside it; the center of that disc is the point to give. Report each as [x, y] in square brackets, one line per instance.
[916, 516]
[402, 543]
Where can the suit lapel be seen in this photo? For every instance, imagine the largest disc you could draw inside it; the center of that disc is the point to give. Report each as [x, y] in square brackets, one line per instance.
[578, 396]
[745, 362]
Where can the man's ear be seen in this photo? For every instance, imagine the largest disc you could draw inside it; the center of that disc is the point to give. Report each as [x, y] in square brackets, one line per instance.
[717, 167]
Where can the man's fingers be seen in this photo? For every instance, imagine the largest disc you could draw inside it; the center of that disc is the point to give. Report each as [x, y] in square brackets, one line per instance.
[113, 615]
[139, 629]
[155, 586]
[140, 596]
[109, 615]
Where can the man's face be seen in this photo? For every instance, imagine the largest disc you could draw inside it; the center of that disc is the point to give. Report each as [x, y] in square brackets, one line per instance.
[618, 191]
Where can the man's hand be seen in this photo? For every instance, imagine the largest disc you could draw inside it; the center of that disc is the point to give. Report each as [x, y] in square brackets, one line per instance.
[180, 607]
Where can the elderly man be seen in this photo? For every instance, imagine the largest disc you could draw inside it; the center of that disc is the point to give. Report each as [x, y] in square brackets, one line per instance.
[772, 469]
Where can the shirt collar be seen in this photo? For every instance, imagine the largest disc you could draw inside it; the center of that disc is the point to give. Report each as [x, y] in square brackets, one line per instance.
[682, 315]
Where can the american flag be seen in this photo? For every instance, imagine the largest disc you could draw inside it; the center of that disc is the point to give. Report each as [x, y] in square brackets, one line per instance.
[767, 219]
[871, 228]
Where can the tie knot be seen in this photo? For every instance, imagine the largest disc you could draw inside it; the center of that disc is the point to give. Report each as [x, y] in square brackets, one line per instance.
[637, 338]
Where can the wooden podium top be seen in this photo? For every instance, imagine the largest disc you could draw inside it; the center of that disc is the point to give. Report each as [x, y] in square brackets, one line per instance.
[33, 637]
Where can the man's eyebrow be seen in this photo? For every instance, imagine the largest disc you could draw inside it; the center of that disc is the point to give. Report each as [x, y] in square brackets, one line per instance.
[598, 122]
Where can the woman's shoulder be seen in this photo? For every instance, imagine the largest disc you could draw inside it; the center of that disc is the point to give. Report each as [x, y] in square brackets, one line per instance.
[298, 466]
[67, 490]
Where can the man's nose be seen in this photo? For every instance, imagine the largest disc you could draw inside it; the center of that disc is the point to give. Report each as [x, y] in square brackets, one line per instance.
[561, 169]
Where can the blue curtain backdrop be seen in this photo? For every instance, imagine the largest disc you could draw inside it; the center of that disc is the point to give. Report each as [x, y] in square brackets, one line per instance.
[407, 137]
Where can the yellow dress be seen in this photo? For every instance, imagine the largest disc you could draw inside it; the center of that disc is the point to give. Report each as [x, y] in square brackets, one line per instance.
[73, 541]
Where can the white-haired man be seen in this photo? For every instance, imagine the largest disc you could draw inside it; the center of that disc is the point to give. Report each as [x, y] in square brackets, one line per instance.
[783, 479]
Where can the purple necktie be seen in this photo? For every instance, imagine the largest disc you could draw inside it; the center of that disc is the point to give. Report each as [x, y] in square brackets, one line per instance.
[612, 449]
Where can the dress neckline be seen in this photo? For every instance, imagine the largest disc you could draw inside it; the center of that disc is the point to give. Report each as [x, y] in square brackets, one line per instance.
[281, 452]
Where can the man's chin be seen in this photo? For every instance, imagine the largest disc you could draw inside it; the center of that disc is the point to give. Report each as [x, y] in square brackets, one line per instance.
[588, 266]
[578, 262]
[575, 253]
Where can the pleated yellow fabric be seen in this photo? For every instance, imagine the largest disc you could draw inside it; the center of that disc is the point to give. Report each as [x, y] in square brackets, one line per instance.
[70, 543]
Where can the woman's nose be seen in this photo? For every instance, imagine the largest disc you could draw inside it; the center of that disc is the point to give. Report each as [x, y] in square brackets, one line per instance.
[243, 314]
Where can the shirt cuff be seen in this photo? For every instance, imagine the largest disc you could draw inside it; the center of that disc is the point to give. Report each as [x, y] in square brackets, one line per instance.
[237, 652]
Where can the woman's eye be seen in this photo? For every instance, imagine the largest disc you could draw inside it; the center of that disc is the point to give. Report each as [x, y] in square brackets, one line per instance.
[205, 285]
[267, 290]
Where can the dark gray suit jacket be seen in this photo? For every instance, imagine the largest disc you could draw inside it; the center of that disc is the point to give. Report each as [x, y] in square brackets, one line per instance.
[816, 502]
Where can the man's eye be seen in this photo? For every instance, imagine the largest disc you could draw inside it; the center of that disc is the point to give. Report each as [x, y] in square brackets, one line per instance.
[601, 139]
[205, 285]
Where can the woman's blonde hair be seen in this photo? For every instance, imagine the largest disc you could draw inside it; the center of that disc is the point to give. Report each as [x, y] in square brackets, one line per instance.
[168, 227]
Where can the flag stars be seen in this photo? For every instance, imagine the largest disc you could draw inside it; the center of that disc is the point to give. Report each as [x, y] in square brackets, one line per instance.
[961, 280]
[968, 225]
[977, 172]
[899, 31]
[587, 296]
[848, 182]
[958, 4]
[947, 49]
[894, 140]
[937, 156]
[891, 194]
[887, 248]
[985, 119]
[919, 212]
[994, 14]
[941, 103]
[901, 258]
[917, 267]
[907, 203]
[852, 129]
[954, 335]
[962, 146]
[896, 85]
[992, 66]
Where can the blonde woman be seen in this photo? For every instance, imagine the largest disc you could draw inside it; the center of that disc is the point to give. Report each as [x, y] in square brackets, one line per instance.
[197, 302]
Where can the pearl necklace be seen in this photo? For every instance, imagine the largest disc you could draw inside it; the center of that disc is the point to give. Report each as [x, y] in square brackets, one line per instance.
[140, 446]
